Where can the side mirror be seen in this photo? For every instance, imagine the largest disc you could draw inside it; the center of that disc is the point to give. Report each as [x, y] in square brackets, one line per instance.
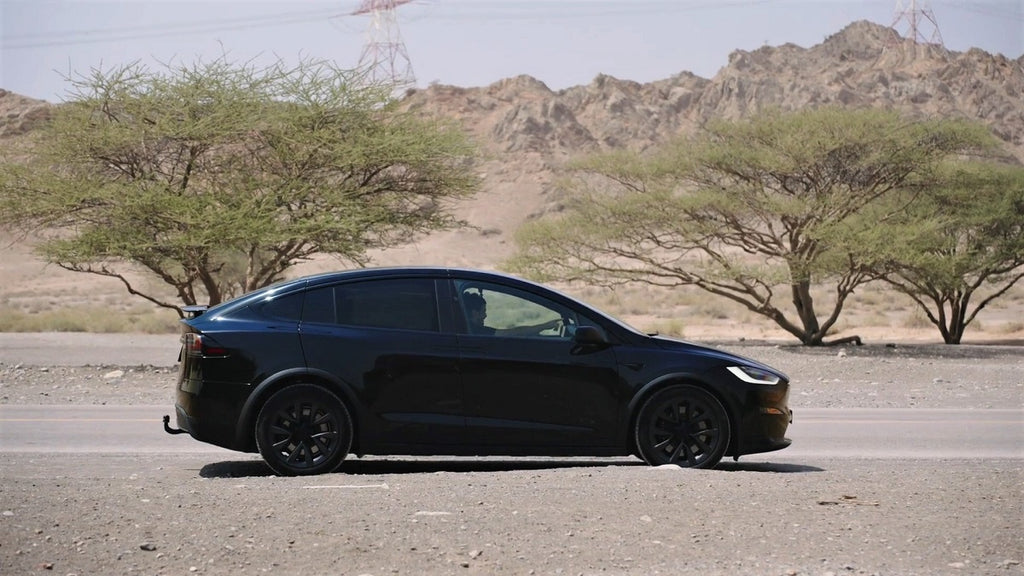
[590, 336]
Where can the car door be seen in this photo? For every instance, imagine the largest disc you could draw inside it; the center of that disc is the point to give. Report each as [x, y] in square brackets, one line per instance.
[528, 389]
[383, 338]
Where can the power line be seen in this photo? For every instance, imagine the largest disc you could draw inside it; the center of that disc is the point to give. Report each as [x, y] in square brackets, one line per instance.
[995, 10]
[575, 10]
[101, 35]
[546, 10]
[510, 10]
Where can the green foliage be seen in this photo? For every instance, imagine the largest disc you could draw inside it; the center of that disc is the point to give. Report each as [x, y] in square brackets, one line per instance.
[780, 202]
[218, 177]
[959, 245]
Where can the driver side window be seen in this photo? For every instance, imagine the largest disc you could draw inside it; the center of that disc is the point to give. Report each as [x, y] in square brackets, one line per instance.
[494, 310]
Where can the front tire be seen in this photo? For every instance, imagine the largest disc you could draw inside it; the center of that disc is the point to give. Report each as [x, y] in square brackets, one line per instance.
[303, 430]
[682, 425]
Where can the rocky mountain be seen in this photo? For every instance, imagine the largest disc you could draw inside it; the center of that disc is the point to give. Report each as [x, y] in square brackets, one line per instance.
[529, 131]
[859, 66]
[19, 115]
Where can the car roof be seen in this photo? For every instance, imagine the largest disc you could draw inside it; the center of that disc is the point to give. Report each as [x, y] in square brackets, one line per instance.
[324, 278]
[413, 271]
[378, 273]
[383, 272]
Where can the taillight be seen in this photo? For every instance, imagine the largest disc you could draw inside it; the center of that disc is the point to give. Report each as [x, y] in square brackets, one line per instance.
[195, 346]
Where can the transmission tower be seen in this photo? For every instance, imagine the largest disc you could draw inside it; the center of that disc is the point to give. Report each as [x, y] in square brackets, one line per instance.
[917, 17]
[384, 58]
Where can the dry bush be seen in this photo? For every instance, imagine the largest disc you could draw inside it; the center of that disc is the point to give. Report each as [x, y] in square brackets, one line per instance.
[916, 319]
[674, 328]
[88, 319]
[1010, 328]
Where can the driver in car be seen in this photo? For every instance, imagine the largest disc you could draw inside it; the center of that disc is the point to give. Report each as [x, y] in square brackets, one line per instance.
[476, 312]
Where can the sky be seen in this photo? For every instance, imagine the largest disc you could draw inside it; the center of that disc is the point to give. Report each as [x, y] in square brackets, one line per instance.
[467, 43]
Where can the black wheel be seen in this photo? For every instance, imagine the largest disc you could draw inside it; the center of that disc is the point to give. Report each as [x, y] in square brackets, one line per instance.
[303, 429]
[682, 425]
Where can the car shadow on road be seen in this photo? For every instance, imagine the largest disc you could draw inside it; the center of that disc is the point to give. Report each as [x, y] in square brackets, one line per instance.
[387, 466]
[391, 466]
[776, 467]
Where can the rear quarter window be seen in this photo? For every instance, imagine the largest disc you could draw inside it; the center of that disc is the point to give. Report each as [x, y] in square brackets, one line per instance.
[400, 304]
[284, 307]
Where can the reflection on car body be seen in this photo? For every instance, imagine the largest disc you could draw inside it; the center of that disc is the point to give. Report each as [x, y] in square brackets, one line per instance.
[435, 361]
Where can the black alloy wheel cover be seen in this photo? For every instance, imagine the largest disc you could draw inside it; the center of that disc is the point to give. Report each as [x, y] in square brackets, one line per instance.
[682, 425]
[303, 430]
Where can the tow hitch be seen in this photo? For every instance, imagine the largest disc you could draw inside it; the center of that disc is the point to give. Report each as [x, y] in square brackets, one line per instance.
[167, 426]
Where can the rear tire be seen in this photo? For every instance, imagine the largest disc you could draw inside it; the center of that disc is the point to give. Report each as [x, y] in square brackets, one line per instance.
[682, 425]
[303, 430]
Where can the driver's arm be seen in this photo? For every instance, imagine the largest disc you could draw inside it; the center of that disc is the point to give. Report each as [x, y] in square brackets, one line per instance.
[533, 330]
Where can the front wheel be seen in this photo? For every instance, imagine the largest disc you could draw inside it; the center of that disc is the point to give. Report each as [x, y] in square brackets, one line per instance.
[303, 430]
[682, 425]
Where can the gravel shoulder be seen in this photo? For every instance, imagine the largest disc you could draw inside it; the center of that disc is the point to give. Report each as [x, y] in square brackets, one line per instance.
[772, 514]
[187, 515]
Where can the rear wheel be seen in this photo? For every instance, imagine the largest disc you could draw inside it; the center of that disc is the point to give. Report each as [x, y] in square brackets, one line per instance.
[302, 430]
[682, 425]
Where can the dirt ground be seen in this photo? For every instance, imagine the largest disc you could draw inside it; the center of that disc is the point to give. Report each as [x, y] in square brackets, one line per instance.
[224, 513]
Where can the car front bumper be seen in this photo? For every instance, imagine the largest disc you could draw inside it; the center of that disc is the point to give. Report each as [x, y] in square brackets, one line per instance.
[763, 425]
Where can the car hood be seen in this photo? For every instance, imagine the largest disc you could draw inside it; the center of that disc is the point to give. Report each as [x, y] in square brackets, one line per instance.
[727, 358]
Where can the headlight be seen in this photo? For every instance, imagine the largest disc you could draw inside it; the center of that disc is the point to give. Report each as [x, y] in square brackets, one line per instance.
[754, 375]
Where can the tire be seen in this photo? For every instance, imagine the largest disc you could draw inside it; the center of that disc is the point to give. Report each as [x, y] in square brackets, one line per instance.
[303, 430]
[682, 425]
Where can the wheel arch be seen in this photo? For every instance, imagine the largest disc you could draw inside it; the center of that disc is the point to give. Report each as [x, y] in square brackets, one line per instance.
[245, 433]
[680, 379]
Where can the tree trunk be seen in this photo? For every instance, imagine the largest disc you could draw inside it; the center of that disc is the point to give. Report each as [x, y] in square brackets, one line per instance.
[804, 304]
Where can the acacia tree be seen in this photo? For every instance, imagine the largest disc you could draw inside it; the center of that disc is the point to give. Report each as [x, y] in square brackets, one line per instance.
[217, 177]
[745, 209]
[958, 247]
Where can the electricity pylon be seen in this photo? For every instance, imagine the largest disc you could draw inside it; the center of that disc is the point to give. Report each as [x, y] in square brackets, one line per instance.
[917, 16]
[384, 58]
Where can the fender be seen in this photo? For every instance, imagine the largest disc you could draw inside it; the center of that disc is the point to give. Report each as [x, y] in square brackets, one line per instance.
[644, 391]
[250, 410]
[729, 401]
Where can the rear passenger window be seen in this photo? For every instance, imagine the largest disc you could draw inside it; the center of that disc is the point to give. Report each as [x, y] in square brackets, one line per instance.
[401, 304]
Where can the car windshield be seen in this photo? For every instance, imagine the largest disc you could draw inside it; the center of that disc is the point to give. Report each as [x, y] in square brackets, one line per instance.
[610, 317]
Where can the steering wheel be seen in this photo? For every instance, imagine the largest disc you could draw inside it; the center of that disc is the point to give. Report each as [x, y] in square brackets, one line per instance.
[566, 327]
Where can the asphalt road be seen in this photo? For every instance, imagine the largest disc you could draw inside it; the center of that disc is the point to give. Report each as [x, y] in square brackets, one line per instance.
[913, 487]
[823, 432]
[819, 432]
[82, 349]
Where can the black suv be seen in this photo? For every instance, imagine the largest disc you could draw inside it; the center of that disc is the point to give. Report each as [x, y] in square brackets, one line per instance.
[435, 361]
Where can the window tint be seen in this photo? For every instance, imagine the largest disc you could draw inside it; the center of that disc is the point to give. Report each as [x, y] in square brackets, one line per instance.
[286, 307]
[495, 310]
[319, 306]
[401, 304]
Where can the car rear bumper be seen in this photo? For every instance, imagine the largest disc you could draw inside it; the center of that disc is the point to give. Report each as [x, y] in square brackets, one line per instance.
[198, 429]
[209, 418]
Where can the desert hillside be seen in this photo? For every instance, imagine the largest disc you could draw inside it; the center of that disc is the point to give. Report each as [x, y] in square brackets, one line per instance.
[529, 131]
